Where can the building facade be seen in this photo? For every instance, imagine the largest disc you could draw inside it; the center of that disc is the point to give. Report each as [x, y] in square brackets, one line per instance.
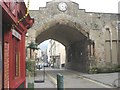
[56, 54]
[14, 31]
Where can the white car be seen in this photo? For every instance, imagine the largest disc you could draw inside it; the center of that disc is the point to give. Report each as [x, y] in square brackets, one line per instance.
[39, 66]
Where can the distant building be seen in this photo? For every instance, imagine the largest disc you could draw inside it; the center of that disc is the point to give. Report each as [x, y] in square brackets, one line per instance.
[56, 54]
[38, 52]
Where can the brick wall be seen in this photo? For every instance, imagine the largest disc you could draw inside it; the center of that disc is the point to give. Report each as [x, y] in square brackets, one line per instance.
[6, 65]
[0, 65]
[0, 80]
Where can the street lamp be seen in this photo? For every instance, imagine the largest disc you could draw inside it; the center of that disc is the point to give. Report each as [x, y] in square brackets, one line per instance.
[40, 67]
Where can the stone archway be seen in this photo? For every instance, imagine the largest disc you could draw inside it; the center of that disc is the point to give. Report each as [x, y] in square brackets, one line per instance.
[72, 36]
[81, 32]
[60, 21]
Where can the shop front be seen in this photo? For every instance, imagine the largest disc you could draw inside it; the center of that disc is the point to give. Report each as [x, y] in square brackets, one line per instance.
[15, 22]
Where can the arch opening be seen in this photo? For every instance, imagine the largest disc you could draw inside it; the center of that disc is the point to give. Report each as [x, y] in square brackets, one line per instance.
[75, 42]
[62, 33]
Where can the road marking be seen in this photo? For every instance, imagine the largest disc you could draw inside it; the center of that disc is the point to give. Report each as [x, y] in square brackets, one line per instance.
[82, 77]
[52, 79]
[85, 78]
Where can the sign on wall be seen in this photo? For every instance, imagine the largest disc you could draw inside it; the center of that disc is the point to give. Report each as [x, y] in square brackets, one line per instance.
[16, 34]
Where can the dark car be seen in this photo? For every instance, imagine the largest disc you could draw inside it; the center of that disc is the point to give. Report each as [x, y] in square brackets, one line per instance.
[39, 66]
[46, 65]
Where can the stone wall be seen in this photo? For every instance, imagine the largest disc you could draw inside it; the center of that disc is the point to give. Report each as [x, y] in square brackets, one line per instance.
[92, 25]
[77, 56]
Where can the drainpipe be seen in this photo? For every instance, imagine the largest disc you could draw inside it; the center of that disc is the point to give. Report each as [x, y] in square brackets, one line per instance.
[117, 37]
[110, 35]
[117, 45]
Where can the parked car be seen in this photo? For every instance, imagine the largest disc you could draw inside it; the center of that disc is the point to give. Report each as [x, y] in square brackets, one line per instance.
[46, 65]
[39, 66]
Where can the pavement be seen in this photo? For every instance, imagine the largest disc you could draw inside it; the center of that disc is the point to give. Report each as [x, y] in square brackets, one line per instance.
[108, 80]
[43, 84]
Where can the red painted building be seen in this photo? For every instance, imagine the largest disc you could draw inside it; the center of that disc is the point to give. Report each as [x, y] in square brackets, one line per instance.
[14, 54]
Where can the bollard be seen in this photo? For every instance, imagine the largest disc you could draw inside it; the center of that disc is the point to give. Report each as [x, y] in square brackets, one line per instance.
[60, 82]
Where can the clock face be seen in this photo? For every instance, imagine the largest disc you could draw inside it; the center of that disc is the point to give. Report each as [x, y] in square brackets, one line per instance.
[62, 6]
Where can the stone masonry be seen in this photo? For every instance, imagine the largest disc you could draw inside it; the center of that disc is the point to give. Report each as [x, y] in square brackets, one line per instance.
[90, 36]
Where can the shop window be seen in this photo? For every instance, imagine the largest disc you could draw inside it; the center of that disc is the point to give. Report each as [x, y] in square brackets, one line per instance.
[16, 55]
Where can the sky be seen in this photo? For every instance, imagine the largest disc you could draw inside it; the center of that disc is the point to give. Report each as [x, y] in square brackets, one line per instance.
[43, 45]
[103, 6]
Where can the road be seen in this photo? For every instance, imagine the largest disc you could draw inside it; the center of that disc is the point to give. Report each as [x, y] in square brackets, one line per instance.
[71, 80]
[44, 81]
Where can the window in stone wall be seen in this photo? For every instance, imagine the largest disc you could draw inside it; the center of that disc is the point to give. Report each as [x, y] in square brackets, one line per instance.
[91, 49]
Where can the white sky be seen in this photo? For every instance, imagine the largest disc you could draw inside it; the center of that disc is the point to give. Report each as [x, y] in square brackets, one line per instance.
[105, 6]
[44, 45]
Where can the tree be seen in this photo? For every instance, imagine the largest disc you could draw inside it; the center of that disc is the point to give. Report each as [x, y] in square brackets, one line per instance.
[33, 46]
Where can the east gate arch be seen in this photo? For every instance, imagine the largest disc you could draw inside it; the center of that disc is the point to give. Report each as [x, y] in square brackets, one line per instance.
[72, 36]
[64, 25]
[82, 33]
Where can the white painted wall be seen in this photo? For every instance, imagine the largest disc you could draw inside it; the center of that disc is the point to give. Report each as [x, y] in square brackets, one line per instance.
[54, 49]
